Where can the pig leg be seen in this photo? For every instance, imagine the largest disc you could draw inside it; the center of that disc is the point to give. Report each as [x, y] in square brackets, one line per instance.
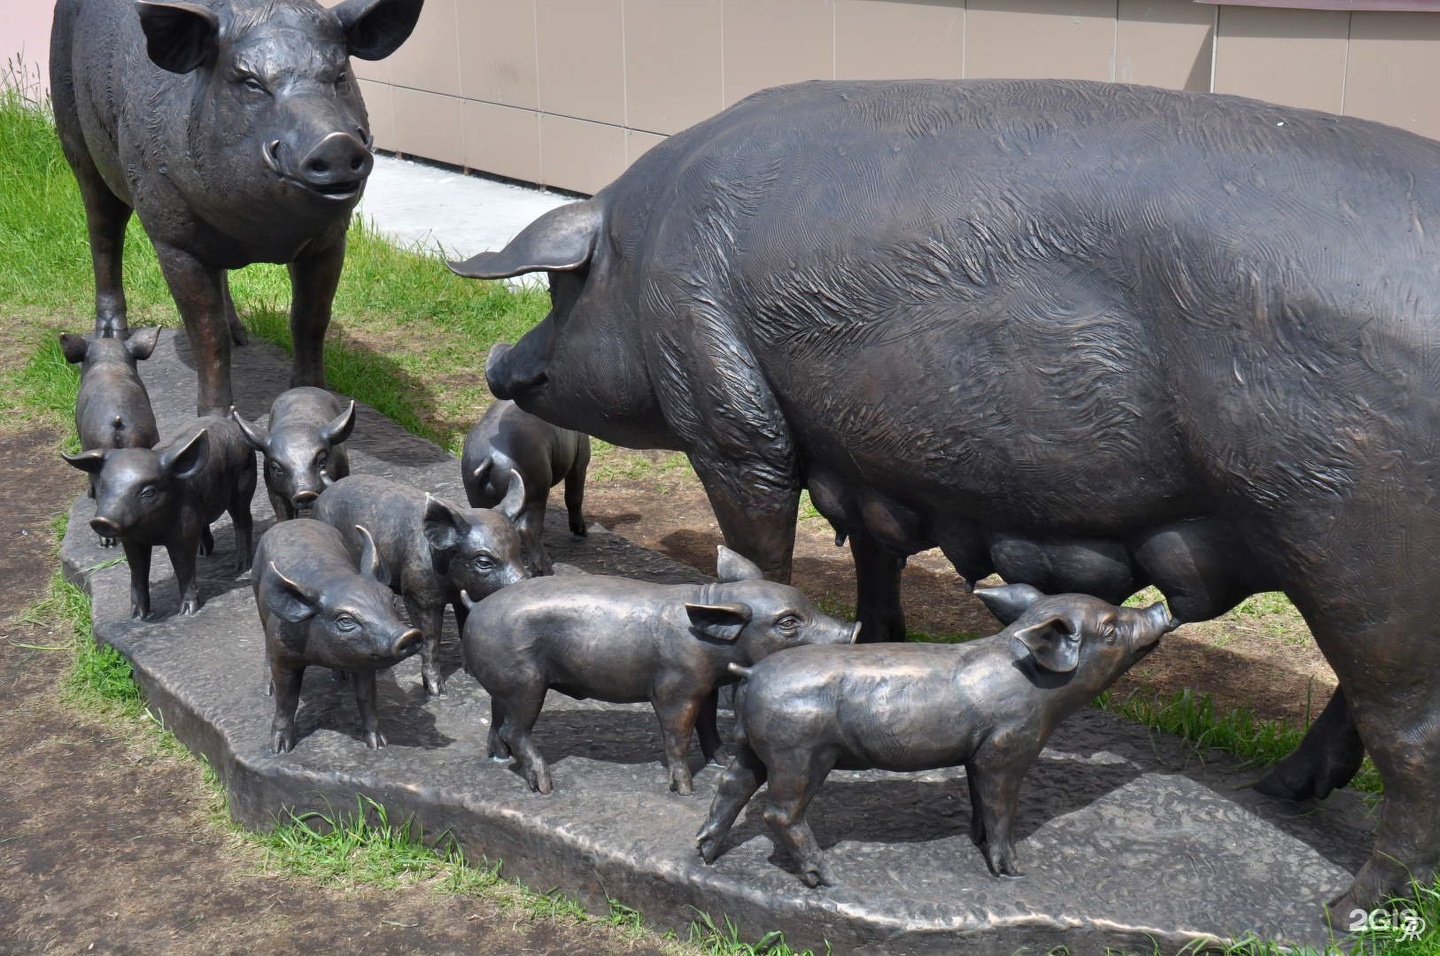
[760, 524]
[531, 525]
[199, 293]
[575, 489]
[244, 531]
[1328, 756]
[313, 281]
[207, 542]
[182, 558]
[106, 216]
[677, 713]
[138, 557]
[238, 335]
[994, 798]
[498, 749]
[520, 715]
[707, 725]
[430, 621]
[791, 789]
[738, 784]
[286, 681]
[877, 589]
[365, 695]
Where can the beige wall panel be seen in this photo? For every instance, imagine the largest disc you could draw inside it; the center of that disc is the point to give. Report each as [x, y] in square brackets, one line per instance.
[497, 52]
[770, 42]
[1164, 43]
[672, 63]
[1294, 57]
[1073, 39]
[887, 40]
[430, 59]
[1394, 70]
[581, 47]
[502, 140]
[429, 125]
[637, 144]
[379, 107]
[578, 155]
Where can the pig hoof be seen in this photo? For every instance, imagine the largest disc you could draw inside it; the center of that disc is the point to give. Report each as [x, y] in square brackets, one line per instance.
[539, 781]
[374, 740]
[434, 684]
[718, 757]
[684, 787]
[190, 608]
[813, 876]
[709, 848]
[282, 742]
[107, 542]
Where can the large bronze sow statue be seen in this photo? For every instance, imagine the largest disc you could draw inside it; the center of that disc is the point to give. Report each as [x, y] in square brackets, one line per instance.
[237, 132]
[1089, 336]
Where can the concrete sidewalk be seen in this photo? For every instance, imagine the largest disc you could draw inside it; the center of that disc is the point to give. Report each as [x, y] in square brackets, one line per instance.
[418, 204]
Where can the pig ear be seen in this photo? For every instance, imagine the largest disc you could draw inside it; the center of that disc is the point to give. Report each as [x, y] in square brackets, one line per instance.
[340, 426]
[482, 471]
[370, 563]
[185, 461]
[291, 600]
[720, 622]
[256, 434]
[374, 29]
[179, 36]
[514, 501]
[562, 240]
[1053, 643]
[91, 461]
[140, 344]
[442, 526]
[73, 346]
[1007, 603]
[734, 566]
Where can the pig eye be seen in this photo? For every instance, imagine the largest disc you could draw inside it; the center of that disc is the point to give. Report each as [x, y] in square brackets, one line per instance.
[252, 84]
[346, 623]
[343, 80]
[483, 562]
[788, 623]
[147, 492]
[276, 471]
[1108, 632]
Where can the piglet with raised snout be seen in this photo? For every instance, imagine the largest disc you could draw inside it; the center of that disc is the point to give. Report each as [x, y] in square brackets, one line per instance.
[628, 641]
[169, 495]
[509, 440]
[431, 549]
[303, 445]
[112, 409]
[988, 705]
[317, 608]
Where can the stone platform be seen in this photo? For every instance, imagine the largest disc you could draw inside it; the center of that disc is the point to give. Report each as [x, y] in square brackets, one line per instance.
[1129, 839]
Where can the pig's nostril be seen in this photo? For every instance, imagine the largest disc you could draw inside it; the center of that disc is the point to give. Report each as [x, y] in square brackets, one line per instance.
[406, 643]
[105, 527]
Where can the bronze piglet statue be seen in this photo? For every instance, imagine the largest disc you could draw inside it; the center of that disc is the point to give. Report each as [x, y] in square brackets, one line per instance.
[317, 608]
[990, 705]
[169, 495]
[510, 440]
[626, 641]
[304, 447]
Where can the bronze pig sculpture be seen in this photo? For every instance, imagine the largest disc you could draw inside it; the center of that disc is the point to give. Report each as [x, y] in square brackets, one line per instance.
[431, 550]
[237, 133]
[303, 445]
[112, 408]
[318, 608]
[988, 704]
[509, 440]
[168, 495]
[1087, 335]
[626, 641]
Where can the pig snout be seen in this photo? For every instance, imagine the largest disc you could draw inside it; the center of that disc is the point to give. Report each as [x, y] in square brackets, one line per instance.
[335, 167]
[406, 644]
[304, 501]
[105, 527]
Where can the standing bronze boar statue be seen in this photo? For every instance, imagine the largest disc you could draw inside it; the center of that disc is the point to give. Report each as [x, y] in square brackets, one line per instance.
[236, 131]
[1089, 336]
